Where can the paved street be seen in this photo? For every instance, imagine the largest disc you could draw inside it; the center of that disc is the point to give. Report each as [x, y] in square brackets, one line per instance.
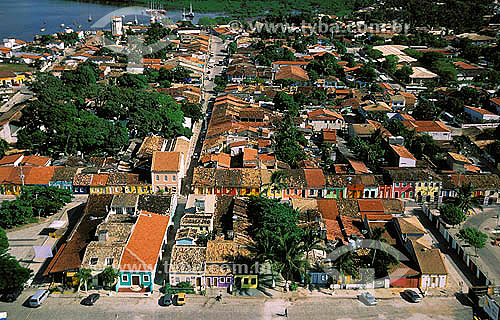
[197, 307]
[486, 221]
[21, 241]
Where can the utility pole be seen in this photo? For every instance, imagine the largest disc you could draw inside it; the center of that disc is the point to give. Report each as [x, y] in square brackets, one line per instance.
[21, 175]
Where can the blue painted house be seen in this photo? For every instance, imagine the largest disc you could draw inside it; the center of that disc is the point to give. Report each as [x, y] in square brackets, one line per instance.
[143, 252]
[63, 178]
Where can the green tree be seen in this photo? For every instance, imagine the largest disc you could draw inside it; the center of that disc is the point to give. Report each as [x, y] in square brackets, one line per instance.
[192, 110]
[277, 183]
[404, 73]
[46, 200]
[84, 275]
[4, 242]
[14, 213]
[311, 240]
[367, 72]
[110, 276]
[465, 199]
[12, 274]
[473, 237]
[391, 63]
[135, 81]
[4, 146]
[452, 214]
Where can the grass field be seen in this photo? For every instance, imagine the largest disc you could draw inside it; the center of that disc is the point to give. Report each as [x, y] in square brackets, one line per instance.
[15, 67]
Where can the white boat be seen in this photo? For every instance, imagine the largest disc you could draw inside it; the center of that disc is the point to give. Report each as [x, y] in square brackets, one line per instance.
[90, 18]
[42, 29]
[62, 25]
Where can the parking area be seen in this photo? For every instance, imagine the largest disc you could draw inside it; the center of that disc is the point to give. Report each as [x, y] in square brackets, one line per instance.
[199, 307]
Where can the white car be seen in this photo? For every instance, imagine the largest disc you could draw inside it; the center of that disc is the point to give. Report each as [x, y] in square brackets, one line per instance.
[368, 299]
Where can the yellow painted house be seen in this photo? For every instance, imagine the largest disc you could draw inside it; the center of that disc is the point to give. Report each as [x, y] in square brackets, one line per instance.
[427, 190]
[9, 77]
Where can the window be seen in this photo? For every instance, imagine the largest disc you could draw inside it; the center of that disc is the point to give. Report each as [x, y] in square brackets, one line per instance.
[367, 194]
[157, 178]
[222, 280]
[165, 178]
[228, 280]
[373, 194]
[404, 184]
[174, 189]
[396, 194]
[397, 184]
[311, 192]
[108, 261]
[403, 194]
[295, 191]
[119, 210]
[245, 280]
[124, 277]
[173, 177]
[253, 281]
[145, 278]
[94, 261]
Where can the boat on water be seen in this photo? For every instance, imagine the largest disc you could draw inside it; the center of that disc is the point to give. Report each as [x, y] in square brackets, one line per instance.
[90, 18]
[62, 25]
[42, 29]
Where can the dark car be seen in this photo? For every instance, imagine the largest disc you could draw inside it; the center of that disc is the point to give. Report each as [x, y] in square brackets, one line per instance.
[167, 300]
[411, 296]
[90, 300]
[12, 296]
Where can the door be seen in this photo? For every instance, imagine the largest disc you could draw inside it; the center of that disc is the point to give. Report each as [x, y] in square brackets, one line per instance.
[136, 280]
[214, 282]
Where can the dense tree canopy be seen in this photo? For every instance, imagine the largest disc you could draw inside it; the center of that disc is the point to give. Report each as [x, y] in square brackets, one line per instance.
[75, 113]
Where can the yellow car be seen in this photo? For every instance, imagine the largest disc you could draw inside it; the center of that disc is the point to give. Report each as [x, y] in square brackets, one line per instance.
[180, 299]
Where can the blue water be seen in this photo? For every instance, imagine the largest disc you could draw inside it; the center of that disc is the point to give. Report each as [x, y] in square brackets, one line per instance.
[22, 19]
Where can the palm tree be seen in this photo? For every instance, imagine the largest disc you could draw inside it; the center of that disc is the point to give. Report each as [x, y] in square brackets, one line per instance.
[264, 251]
[289, 255]
[465, 199]
[311, 240]
[84, 275]
[377, 236]
[277, 182]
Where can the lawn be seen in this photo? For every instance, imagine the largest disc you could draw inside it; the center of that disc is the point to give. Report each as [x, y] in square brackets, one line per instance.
[15, 67]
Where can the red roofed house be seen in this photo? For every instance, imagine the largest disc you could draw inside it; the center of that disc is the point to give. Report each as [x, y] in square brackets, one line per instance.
[143, 252]
[277, 65]
[404, 158]
[479, 114]
[372, 209]
[436, 129]
[325, 119]
[315, 183]
[291, 72]
[167, 170]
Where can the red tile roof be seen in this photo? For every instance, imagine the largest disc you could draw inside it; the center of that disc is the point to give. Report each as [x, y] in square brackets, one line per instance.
[315, 178]
[402, 152]
[324, 114]
[333, 230]
[166, 161]
[10, 159]
[426, 126]
[145, 243]
[359, 166]
[35, 160]
[370, 205]
[328, 208]
[39, 175]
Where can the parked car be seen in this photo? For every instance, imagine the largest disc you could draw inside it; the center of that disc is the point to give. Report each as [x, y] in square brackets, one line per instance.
[167, 299]
[180, 299]
[12, 296]
[368, 299]
[411, 296]
[38, 298]
[91, 299]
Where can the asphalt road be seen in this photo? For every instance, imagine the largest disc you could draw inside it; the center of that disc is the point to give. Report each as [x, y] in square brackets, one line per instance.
[64, 308]
[486, 221]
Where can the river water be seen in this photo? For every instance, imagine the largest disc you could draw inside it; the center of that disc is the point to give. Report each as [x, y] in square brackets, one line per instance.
[22, 19]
